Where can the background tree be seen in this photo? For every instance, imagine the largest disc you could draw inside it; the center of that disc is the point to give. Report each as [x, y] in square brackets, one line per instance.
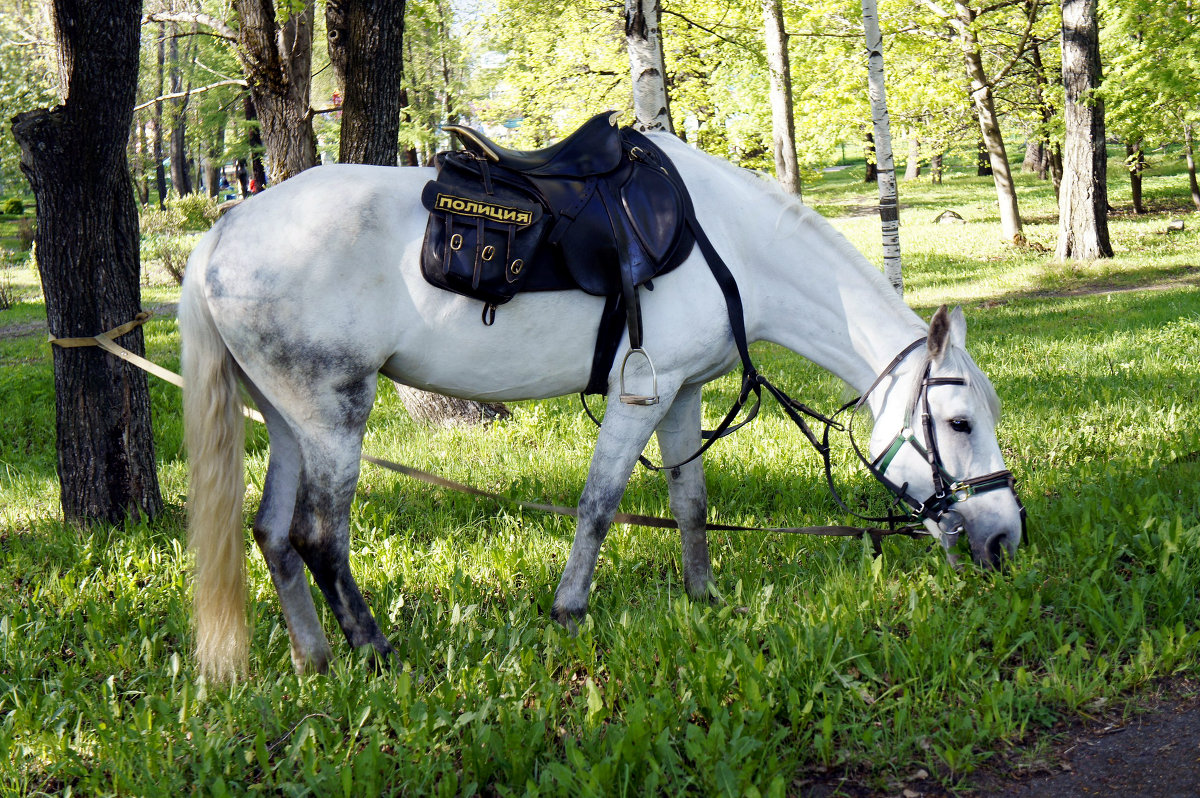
[643, 38]
[87, 245]
[783, 121]
[366, 47]
[276, 51]
[1083, 204]
[27, 76]
[889, 203]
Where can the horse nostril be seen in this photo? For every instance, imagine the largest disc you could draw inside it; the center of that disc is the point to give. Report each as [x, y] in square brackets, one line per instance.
[996, 548]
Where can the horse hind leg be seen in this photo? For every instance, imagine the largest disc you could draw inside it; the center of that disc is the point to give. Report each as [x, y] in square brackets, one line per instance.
[320, 529]
[272, 527]
[678, 439]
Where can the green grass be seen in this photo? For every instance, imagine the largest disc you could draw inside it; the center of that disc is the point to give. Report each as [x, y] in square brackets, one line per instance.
[821, 657]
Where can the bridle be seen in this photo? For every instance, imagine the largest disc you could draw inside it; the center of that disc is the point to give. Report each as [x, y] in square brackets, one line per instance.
[947, 489]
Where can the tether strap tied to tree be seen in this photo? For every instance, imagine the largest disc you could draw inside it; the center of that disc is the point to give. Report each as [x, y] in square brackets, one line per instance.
[105, 341]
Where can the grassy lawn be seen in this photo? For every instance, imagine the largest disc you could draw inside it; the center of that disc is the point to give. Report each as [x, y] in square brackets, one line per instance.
[822, 658]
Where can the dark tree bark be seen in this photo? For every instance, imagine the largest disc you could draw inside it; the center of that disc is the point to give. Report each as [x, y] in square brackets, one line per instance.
[87, 242]
[160, 173]
[1135, 160]
[277, 58]
[983, 163]
[180, 174]
[1190, 153]
[872, 173]
[1083, 203]
[365, 47]
[366, 40]
[936, 167]
[254, 143]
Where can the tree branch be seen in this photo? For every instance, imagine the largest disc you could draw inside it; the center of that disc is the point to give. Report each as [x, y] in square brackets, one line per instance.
[179, 94]
[218, 27]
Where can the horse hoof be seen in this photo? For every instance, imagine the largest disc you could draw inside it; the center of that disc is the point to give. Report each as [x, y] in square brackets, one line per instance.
[569, 619]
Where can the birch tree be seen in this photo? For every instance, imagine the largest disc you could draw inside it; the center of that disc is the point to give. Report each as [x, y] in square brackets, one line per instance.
[889, 204]
[643, 38]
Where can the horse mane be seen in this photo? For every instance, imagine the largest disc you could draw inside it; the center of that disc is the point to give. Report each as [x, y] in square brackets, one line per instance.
[793, 211]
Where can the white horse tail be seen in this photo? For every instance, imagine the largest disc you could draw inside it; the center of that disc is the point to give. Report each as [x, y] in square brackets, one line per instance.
[214, 434]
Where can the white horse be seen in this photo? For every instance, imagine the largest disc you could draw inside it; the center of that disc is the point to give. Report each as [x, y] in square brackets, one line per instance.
[308, 292]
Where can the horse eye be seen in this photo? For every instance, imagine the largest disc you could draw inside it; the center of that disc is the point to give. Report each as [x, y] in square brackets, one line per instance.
[960, 425]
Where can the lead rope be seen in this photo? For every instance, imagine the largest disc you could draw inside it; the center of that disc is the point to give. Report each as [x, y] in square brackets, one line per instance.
[106, 342]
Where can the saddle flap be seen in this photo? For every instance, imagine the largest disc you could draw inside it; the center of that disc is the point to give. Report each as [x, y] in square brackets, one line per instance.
[655, 211]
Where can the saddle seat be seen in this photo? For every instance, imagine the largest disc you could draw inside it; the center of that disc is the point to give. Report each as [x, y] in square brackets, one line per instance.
[595, 148]
[603, 211]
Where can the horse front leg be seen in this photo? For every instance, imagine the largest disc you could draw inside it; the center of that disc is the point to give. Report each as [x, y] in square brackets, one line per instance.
[678, 439]
[622, 438]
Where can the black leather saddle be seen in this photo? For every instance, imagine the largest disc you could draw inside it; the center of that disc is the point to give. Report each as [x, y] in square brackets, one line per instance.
[602, 211]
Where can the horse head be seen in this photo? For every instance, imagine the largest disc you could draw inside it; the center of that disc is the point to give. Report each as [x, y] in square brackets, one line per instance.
[934, 445]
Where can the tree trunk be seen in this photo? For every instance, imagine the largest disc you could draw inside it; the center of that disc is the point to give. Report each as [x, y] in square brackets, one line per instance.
[889, 204]
[989, 125]
[1190, 154]
[180, 176]
[643, 39]
[277, 58]
[912, 169]
[936, 167]
[1083, 205]
[87, 242]
[214, 163]
[783, 121]
[160, 172]
[254, 144]
[1035, 157]
[366, 39]
[871, 175]
[1135, 160]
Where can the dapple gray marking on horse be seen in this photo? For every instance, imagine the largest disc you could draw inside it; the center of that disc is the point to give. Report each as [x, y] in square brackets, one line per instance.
[311, 288]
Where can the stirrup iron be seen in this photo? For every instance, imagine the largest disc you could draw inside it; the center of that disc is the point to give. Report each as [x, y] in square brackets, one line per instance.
[639, 399]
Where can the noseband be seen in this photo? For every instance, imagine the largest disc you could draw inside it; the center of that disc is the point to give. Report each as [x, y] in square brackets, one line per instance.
[947, 490]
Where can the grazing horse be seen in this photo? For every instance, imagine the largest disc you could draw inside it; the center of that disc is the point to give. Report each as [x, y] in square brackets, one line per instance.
[309, 291]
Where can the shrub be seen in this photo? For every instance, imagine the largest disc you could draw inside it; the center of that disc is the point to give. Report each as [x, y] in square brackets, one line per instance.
[26, 231]
[13, 206]
[172, 252]
[196, 211]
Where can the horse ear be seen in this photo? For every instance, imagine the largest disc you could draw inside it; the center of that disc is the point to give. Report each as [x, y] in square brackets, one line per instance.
[958, 327]
[939, 334]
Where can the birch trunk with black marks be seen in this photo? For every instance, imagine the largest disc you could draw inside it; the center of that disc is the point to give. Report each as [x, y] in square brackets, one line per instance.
[643, 39]
[1083, 202]
[276, 54]
[783, 120]
[889, 204]
[366, 46]
[87, 244]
